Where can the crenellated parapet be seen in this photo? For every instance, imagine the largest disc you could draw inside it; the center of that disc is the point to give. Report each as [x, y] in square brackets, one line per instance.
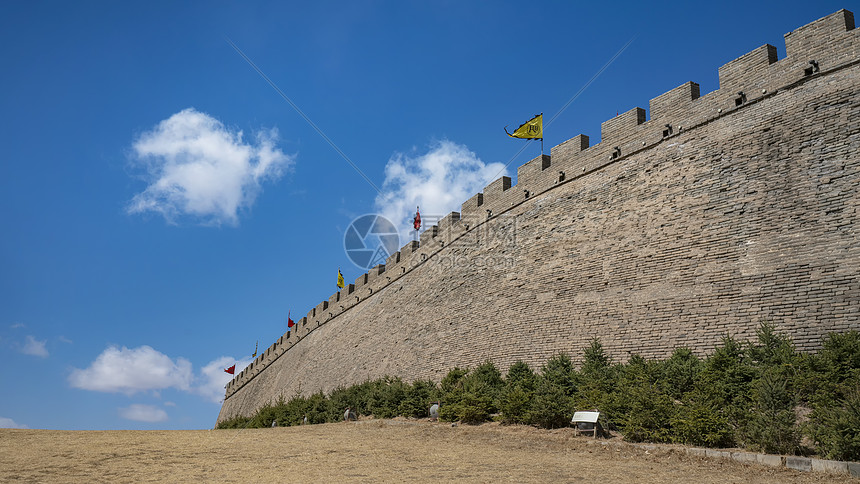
[817, 49]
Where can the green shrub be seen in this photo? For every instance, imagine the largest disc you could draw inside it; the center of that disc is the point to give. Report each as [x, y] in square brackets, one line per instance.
[516, 397]
[470, 397]
[451, 381]
[841, 354]
[638, 406]
[771, 427]
[520, 373]
[679, 372]
[451, 388]
[551, 406]
[594, 358]
[827, 372]
[234, 422]
[486, 381]
[770, 348]
[264, 417]
[697, 423]
[742, 393]
[725, 382]
[470, 408]
[514, 404]
[317, 409]
[597, 379]
[385, 397]
[836, 429]
[342, 397]
[559, 371]
[293, 411]
[419, 396]
[649, 416]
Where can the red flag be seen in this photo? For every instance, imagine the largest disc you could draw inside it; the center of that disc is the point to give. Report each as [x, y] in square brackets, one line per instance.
[290, 322]
[231, 370]
[416, 222]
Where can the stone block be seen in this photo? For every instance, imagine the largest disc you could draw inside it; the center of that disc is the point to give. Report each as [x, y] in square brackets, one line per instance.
[770, 460]
[717, 454]
[798, 463]
[746, 457]
[829, 466]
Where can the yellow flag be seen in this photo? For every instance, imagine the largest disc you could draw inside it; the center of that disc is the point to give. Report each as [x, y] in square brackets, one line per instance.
[339, 279]
[531, 129]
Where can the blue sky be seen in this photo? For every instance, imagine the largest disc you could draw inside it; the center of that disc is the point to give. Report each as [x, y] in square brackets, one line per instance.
[162, 207]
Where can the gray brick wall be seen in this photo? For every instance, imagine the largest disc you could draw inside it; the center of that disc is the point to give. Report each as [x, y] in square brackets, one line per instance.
[748, 213]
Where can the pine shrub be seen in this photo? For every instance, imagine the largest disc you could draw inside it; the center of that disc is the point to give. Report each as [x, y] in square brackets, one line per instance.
[836, 429]
[516, 396]
[772, 427]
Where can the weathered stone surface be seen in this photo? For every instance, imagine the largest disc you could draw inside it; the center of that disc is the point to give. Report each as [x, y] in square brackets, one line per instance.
[770, 460]
[744, 457]
[798, 463]
[717, 454]
[829, 466]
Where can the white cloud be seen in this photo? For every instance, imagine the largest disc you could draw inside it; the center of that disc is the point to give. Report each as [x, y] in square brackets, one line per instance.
[8, 423]
[129, 371]
[213, 377]
[18, 325]
[438, 181]
[134, 370]
[143, 413]
[34, 347]
[198, 167]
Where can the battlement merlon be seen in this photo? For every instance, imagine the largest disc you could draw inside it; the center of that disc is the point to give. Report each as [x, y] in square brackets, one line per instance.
[360, 280]
[822, 37]
[393, 259]
[336, 300]
[410, 248]
[673, 107]
[428, 237]
[496, 196]
[321, 307]
[394, 266]
[496, 188]
[450, 227]
[472, 207]
[448, 221]
[376, 271]
[407, 252]
[622, 125]
[748, 72]
[529, 172]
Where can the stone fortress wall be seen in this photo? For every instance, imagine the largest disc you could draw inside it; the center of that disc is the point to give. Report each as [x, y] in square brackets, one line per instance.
[718, 213]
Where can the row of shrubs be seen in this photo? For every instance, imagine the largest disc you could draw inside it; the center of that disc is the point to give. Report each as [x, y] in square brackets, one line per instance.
[763, 395]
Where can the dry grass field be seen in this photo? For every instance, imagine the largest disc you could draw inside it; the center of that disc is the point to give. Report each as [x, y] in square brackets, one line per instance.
[366, 451]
